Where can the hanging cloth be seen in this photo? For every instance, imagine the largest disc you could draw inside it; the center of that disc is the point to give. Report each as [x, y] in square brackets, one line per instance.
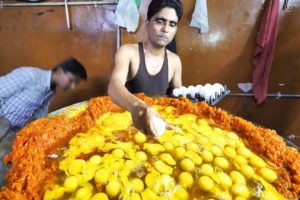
[200, 16]
[264, 51]
[127, 15]
[137, 2]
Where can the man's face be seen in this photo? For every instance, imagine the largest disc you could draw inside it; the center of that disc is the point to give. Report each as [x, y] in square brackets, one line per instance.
[162, 27]
[67, 80]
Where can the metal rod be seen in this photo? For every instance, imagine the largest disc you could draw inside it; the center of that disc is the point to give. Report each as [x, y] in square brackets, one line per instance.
[118, 37]
[95, 5]
[78, 3]
[67, 14]
[275, 95]
[285, 4]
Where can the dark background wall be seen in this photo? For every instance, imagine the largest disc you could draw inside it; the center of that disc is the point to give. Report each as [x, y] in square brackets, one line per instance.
[39, 37]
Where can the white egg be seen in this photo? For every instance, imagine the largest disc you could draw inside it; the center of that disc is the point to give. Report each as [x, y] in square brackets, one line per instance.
[159, 126]
[175, 92]
[207, 86]
[192, 91]
[216, 90]
[200, 90]
[182, 91]
[220, 87]
[209, 95]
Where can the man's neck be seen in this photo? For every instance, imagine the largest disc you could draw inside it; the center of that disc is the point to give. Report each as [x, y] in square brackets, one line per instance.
[152, 50]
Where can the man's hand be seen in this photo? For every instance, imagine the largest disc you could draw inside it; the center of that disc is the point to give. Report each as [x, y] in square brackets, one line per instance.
[148, 120]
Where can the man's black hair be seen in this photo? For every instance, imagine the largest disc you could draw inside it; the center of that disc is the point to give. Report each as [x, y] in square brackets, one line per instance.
[157, 5]
[73, 66]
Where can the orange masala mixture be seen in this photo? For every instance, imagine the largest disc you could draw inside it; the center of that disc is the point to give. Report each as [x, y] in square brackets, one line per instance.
[32, 170]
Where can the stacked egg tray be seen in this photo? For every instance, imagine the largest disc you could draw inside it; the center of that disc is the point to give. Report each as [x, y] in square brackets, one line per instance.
[210, 93]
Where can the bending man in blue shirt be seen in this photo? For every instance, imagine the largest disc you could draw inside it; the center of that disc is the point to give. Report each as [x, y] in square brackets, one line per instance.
[26, 92]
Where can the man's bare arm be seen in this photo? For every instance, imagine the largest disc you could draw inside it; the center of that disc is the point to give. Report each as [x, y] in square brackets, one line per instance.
[116, 89]
[142, 114]
[176, 80]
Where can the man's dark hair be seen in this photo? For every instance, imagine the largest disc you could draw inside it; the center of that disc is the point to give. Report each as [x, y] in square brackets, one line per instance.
[157, 5]
[73, 66]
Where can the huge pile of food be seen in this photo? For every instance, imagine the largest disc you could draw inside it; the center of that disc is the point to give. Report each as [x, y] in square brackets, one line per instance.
[97, 154]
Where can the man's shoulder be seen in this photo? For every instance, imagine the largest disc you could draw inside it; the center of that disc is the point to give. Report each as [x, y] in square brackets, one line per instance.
[128, 50]
[28, 69]
[173, 56]
[32, 72]
[130, 47]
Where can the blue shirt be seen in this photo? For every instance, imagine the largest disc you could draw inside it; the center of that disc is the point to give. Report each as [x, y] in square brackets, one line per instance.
[25, 94]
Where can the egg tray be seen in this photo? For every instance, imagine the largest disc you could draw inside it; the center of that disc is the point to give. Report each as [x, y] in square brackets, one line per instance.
[211, 101]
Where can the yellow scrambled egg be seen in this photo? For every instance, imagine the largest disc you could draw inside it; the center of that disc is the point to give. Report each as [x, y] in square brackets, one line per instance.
[194, 161]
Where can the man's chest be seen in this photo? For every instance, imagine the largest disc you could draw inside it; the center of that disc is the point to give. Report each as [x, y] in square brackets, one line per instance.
[150, 66]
